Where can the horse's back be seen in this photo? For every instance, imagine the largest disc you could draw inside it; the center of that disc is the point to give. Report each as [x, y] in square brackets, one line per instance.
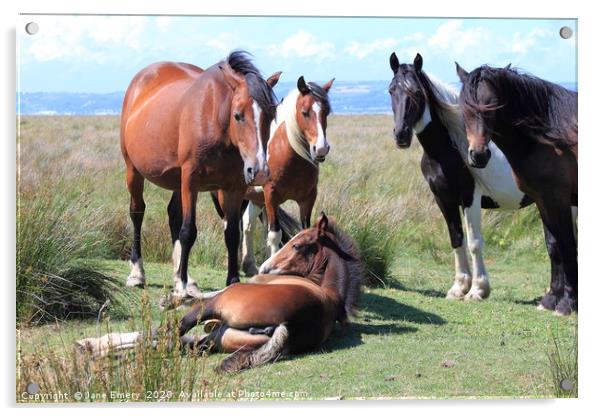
[156, 76]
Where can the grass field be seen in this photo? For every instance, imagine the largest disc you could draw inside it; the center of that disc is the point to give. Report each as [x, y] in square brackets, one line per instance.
[407, 341]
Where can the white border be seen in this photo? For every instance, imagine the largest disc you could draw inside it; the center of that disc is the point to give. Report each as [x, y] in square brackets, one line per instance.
[591, 151]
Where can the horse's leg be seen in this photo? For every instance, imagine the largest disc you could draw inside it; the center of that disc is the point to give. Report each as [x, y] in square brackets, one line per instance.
[188, 233]
[462, 280]
[560, 239]
[248, 226]
[274, 230]
[305, 209]
[231, 204]
[254, 351]
[174, 212]
[135, 184]
[480, 280]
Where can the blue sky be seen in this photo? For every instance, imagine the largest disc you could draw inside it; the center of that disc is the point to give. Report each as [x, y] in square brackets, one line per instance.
[102, 54]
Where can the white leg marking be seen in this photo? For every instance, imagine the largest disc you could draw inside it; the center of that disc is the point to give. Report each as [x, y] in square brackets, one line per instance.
[274, 239]
[463, 277]
[136, 277]
[480, 281]
[248, 226]
[180, 289]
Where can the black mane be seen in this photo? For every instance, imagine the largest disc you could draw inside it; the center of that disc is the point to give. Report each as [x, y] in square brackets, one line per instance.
[543, 109]
[321, 94]
[262, 93]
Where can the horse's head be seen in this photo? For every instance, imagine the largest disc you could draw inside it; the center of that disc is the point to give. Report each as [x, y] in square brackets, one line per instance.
[408, 99]
[312, 111]
[479, 100]
[252, 109]
[306, 253]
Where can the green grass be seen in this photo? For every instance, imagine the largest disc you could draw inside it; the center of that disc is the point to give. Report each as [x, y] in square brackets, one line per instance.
[71, 175]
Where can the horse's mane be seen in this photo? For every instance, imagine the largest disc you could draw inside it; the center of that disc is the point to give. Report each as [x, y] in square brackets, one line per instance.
[262, 93]
[443, 100]
[349, 282]
[287, 112]
[547, 112]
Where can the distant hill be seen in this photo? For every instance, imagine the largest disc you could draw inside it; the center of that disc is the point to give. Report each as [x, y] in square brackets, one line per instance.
[369, 97]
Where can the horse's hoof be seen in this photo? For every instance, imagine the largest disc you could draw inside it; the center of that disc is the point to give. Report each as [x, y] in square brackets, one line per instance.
[136, 281]
[193, 290]
[454, 293]
[474, 295]
[565, 307]
[249, 268]
[210, 325]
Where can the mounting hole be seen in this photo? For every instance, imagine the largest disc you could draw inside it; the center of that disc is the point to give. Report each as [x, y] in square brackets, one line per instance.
[566, 32]
[32, 28]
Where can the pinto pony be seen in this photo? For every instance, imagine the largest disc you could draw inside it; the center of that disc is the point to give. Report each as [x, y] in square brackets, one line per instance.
[296, 146]
[191, 130]
[534, 123]
[428, 109]
[312, 282]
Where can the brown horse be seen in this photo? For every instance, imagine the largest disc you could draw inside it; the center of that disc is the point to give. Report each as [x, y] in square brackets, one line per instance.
[313, 281]
[534, 123]
[189, 131]
[297, 145]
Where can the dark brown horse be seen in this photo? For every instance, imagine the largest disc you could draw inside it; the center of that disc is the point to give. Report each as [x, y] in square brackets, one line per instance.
[313, 281]
[534, 122]
[296, 146]
[189, 131]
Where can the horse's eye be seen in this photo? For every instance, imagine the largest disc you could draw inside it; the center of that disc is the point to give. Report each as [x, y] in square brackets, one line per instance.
[305, 113]
[296, 247]
[239, 116]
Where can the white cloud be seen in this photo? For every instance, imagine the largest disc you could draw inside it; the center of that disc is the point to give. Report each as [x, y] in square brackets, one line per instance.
[224, 42]
[521, 43]
[361, 50]
[84, 37]
[304, 45]
[450, 36]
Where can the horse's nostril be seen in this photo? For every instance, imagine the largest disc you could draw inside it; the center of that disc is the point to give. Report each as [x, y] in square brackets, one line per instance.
[250, 170]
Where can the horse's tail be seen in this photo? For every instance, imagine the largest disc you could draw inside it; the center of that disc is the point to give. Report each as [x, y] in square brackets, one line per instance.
[268, 352]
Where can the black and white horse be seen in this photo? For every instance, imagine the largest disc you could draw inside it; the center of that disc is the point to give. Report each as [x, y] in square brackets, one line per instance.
[424, 107]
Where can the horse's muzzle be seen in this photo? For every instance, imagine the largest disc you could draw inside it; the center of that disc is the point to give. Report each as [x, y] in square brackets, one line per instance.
[478, 159]
[403, 138]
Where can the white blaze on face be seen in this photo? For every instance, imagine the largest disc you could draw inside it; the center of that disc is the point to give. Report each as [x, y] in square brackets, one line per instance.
[260, 152]
[321, 142]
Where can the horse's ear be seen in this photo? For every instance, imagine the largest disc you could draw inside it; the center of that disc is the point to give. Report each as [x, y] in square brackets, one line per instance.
[273, 79]
[229, 78]
[302, 86]
[508, 66]
[322, 223]
[461, 72]
[394, 62]
[328, 85]
[418, 63]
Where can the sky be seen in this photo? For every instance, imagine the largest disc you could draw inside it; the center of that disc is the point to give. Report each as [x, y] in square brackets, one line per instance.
[102, 53]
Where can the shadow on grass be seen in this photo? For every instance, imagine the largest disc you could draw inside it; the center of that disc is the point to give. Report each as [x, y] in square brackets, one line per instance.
[389, 309]
[532, 302]
[431, 293]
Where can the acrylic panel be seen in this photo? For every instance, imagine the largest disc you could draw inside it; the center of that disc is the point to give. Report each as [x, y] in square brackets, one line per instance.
[218, 208]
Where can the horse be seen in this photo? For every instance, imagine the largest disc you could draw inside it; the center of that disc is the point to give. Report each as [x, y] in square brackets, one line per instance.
[425, 107]
[310, 284]
[534, 123]
[191, 130]
[296, 147]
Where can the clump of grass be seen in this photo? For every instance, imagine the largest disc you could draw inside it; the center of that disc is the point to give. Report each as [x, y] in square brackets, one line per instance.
[563, 364]
[57, 234]
[155, 370]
